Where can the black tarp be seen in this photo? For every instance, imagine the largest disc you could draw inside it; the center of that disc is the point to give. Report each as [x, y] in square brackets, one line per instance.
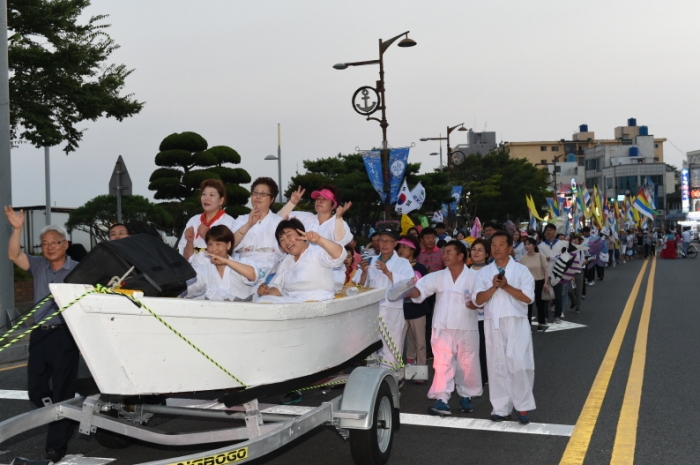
[159, 269]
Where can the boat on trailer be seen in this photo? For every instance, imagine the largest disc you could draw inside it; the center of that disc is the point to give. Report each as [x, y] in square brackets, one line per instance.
[160, 345]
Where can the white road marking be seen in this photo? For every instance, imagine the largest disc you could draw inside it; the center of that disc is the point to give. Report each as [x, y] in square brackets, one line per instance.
[18, 395]
[486, 425]
[562, 326]
[82, 460]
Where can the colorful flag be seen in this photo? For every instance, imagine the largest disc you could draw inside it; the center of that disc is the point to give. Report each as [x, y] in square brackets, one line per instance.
[418, 195]
[373, 166]
[404, 201]
[532, 208]
[398, 160]
[456, 195]
[643, 206]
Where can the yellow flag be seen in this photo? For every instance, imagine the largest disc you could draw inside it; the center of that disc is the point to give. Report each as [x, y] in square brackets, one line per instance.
[406, 224]
[531, 207]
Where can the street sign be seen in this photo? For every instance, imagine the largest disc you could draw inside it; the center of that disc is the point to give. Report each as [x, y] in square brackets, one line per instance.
[120, 182]
[363, 105]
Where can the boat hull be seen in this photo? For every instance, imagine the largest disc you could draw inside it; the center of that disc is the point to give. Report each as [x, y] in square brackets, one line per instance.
[131, 352]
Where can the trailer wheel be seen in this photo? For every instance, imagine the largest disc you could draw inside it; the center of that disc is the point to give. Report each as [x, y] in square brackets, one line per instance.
[112, 440]
[373, 446]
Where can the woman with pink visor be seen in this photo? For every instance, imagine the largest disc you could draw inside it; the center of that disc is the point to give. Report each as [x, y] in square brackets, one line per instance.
[327, 222]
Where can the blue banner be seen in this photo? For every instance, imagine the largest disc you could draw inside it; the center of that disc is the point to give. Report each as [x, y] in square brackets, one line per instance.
[373, 165]
[456, 195]
[398, 160]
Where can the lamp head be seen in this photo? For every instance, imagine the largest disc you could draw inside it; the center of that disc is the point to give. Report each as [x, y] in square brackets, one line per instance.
[407, 42]
[340, 66]
[463, 129]
[434, 154]
[423, 139]
[271, 157]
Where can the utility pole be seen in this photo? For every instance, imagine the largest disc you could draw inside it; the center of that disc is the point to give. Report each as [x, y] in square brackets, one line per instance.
[7, 289]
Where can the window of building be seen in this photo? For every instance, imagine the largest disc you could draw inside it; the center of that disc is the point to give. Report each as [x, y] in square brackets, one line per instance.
[656, 146]
[656, 179]
[555, 148]
[590, 182]
[608, 183]
[543, 148]
[581, 161]
[592, 164]
[627, 183]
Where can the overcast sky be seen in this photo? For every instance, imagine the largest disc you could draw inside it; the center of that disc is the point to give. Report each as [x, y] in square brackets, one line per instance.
[231, 70]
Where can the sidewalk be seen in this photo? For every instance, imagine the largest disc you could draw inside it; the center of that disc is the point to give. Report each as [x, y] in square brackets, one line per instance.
[19, 351]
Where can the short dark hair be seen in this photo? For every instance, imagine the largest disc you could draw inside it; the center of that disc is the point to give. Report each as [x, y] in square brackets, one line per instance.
[270, 183]
[412, 240]
[531, 240]
[427, 232]
[441, 243]
[493, 225]
[505, 234]
[116, 225]
[585, 229]
[220, 233]
[550, 226]
[291, 223]
[440, 225]
[486, 244]
[459, 245]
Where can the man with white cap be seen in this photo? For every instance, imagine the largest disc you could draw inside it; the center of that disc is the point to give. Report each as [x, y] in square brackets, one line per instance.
[455, 337]
[381, 272]
[505, 288]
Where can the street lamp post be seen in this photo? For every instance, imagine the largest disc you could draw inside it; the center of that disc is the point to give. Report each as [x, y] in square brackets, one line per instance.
[383, 46]
[447, 138]
[279, 161]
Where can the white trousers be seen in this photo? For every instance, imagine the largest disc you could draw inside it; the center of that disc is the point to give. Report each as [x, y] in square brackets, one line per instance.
[394, 323]
[456, 363]
[511, 365]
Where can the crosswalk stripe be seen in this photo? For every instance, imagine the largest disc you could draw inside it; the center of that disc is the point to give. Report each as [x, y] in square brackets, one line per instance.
[18, 395]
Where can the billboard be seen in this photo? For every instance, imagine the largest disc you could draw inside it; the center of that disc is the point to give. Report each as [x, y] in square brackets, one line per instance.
[685, 190]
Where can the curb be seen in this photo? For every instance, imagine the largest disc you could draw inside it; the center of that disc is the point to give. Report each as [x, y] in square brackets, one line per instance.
[15, 353]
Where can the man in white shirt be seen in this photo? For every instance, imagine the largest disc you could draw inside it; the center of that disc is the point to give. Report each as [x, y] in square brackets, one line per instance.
[382, 272]
[455, 337]
[687, 236]
[551, 248]
[505, 288]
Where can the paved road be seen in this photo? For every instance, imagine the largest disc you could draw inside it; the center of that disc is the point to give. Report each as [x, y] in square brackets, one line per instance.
[627, 393]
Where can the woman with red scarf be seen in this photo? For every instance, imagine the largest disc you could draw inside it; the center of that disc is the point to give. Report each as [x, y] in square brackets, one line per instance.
[213, 199]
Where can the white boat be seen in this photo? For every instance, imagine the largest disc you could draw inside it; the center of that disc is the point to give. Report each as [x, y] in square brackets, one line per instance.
[131, 352]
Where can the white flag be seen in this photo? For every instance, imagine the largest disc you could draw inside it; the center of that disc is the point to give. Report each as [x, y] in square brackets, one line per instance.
[418, 196]
[404, 202]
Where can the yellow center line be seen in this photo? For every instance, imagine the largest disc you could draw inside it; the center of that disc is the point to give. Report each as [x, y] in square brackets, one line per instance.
[626, 436]
[13, 367]
[577, 447]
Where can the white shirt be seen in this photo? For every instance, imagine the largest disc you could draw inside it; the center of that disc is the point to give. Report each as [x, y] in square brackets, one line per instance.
[552, 251]
[401, 270]
[501, 304]
[686, 236]
[451, 310]
[199, 242]
[519, 250]
[326, 229]
[212, 286]
[260, 244]
[308, 278]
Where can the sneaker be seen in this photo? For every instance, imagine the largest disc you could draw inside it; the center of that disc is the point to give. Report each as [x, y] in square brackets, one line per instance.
[53, 455]
[562, 315]
[583, 297]
[542, 328]
[291, 398]
[577, 311]
[591, 283]
[557, 321]
[495, 417]
[440, 408]
[411, 361]
[465, 404]
[522, 417]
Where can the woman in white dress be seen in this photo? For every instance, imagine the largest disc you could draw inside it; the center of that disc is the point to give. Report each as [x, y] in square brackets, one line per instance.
[254, 233]
[306, 273]
[213, 198]
[222, 277]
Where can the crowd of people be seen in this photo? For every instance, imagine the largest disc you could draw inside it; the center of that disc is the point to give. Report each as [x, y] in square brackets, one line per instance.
[469, 305]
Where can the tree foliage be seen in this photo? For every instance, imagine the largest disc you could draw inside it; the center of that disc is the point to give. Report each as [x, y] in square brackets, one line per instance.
[59, 72]
[348, 173]
[185, 160]
[495, 185]
[98, 214]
